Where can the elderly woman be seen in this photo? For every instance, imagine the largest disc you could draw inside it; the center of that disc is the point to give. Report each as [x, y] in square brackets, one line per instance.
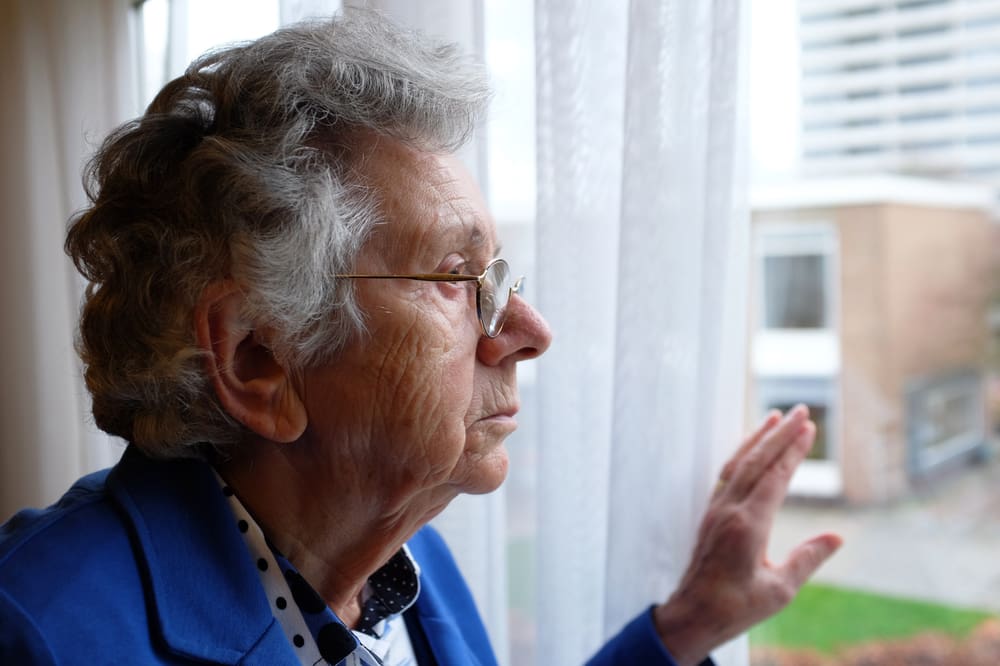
[298, 319]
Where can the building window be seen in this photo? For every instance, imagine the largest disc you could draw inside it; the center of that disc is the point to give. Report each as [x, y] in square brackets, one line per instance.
[820, 474]
[856, 40]
[924, 59]
[918, 4]
[946, 420]
[819, 412]
[916, 146]
[864, 122]
[796, 276]
[924, 88]
[925, 116]
[794, 294]
[796, 354]
[864, 94]
[923, 31]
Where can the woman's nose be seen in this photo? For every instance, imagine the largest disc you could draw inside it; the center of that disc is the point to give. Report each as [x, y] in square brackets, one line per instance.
[525, 335]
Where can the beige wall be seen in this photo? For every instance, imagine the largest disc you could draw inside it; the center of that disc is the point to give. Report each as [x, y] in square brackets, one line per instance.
[870, 416]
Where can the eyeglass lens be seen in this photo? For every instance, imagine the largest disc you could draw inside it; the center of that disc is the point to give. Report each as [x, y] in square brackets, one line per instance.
[493, 297]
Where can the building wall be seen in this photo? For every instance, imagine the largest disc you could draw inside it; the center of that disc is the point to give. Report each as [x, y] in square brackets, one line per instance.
[939, 284]
[870, 411]
[914, 285]
[908, 86]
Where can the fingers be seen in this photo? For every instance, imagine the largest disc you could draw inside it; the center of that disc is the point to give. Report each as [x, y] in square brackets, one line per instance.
[807, 558]
[772, 419]
[772, 487]
[748, 471]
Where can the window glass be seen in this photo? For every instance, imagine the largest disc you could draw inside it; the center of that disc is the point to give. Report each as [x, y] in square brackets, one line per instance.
[945, 416]
[795, 275]
[818, 412]
[876, 302]
[794, 292]
[175, 33]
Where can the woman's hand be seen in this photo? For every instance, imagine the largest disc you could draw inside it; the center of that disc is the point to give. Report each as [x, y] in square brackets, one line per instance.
[730, 585]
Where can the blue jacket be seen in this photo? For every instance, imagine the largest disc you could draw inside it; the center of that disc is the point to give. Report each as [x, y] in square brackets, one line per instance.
[143, 564]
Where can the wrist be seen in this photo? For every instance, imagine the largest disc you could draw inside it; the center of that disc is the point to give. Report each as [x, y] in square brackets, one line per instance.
[683, 632]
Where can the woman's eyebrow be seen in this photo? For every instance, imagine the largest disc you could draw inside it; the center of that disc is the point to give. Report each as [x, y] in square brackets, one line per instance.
[478, 237]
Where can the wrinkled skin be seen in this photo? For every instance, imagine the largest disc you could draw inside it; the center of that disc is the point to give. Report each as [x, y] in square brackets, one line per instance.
[730, 585]
[420, 405]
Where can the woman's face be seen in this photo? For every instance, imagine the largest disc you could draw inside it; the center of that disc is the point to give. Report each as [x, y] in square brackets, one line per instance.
[423, 402]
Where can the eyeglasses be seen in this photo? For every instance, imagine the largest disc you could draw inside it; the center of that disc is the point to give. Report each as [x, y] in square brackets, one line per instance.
[493, 291]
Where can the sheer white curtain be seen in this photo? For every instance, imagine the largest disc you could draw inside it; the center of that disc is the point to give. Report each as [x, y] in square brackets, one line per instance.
[642, 258]
[67, 80]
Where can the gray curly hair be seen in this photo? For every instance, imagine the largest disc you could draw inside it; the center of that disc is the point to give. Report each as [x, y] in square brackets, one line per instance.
[240, 168]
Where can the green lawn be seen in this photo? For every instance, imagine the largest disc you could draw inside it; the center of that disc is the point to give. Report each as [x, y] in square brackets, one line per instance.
[826, 618]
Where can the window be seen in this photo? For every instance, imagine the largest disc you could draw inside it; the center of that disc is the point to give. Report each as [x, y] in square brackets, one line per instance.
[794, 291]
[983, 82]
[861, 11]
[858, 40]
[784, 394]
[922, 31]
[795, 351]
[173, 34]
[864, 94]
[877, 323]
[864, 122]
[862, 66]
[983, 140]
[924, 116]
[819, 475]
[916, 146]
[919, 4]
[947, 419]
[924, 59]
[924, 88]
[796, 277]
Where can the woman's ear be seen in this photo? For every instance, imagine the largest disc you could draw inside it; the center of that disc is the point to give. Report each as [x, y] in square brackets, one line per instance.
[252, 386]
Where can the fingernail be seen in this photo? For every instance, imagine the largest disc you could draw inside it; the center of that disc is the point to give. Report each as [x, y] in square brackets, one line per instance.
[798, 411]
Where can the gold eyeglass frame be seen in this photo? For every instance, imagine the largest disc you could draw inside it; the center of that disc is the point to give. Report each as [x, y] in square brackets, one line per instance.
[451, 277]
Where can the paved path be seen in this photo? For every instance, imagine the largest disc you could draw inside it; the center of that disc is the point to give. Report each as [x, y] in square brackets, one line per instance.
[942, 545]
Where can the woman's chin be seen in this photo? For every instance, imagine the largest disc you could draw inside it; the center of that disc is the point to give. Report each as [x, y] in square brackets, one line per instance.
[486, 472]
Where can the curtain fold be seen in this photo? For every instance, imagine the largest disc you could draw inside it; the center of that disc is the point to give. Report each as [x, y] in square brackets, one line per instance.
[641, 245]
[580, 51]
[68, 80]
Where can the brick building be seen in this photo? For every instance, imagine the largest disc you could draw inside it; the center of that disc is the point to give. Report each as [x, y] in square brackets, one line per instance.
[870, 303]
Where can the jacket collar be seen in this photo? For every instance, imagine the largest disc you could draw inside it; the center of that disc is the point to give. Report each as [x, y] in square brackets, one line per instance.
[445, 612]
[206, 597]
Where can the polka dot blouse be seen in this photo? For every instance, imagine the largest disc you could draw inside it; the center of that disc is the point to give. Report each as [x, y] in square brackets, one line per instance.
[317, 634]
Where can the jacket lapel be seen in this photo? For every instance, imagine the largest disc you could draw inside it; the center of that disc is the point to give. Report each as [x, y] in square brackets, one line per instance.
[445, 611]
[206, 596]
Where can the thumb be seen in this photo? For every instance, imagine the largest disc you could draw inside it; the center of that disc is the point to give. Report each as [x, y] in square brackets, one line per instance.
[808, 556]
